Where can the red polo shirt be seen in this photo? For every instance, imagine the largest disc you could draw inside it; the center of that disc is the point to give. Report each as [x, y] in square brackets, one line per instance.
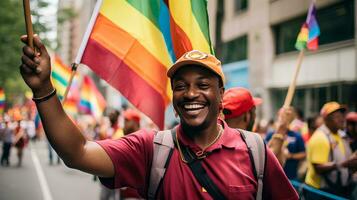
[228, 165]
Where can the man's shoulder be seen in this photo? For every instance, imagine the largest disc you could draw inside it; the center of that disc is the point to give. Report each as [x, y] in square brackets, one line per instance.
[318, 138]
[295, 134]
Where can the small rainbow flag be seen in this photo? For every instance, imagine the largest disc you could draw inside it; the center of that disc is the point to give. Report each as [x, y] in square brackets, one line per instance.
[2, 101]
[60, 78]
[309, 33]
[91, 100]
[134, 55]
[60, 75]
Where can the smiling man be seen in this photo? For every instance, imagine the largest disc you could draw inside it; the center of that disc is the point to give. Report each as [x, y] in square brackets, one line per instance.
[197, 84]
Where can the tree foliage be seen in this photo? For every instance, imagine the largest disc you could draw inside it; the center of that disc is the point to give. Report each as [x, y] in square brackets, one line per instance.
[12, 26]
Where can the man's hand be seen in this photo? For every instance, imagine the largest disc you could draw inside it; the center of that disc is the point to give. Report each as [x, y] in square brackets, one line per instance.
[350, 163]
[36, 68]
[285, 117]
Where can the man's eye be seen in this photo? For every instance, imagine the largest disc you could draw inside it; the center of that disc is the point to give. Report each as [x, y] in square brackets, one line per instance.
[179, 87]
[203, 85]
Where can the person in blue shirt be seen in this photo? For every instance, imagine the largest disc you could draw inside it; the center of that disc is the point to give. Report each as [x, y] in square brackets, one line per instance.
[292, 150]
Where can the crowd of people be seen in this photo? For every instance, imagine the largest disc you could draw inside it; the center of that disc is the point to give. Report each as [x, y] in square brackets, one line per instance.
[319, 152]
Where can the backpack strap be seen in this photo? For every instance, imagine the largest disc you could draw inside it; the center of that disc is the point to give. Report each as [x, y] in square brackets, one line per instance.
[163, 149]
[257, 154]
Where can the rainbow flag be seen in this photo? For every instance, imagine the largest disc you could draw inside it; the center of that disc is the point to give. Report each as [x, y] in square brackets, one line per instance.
[129, 44]
[309, 33]
[60, 75]
[92, 102]
[2, 101]
[60, 78]
[189, 26]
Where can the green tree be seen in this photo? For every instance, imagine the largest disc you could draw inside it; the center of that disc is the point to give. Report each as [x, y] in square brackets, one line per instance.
[12, 26]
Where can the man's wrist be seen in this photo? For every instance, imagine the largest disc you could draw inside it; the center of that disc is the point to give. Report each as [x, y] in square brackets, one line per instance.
[43, 91]
[279, 136]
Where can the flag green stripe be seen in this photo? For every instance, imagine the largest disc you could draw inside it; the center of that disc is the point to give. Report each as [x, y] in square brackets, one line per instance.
[199, 10]
[149, 8]
[59, 78]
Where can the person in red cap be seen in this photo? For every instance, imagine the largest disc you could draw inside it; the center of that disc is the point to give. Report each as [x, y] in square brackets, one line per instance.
[200, 140]
[239, 108]
[351, 129]
[328, 154]
[131, 124]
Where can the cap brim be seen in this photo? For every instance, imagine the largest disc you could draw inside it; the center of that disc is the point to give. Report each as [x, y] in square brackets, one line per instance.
[257, 101]
[178, 65]
[341, 108]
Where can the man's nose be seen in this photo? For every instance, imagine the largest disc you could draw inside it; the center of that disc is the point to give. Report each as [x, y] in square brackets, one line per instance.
[191, 93]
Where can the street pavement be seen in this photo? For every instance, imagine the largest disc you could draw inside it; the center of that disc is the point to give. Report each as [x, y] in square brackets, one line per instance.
[37, 180]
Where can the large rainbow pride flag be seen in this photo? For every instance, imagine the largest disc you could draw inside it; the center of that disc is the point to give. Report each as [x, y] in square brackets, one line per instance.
[131, 44]
[92, 102]
[310, 31]
[2, 100]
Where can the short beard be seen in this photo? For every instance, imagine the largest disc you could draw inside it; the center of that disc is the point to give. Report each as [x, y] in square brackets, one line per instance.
[192, 131]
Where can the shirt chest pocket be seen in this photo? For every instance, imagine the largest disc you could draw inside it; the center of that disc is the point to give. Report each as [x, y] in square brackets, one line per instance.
[243, 192]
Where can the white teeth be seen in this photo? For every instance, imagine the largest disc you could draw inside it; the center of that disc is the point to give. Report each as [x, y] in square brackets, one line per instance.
[193, 106]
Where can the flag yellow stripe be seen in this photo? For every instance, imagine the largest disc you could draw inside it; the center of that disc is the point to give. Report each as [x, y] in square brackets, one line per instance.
[132, 21]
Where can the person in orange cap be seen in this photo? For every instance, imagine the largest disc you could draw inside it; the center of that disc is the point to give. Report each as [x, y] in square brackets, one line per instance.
[239, 108]
[201, 138]
[329, 155]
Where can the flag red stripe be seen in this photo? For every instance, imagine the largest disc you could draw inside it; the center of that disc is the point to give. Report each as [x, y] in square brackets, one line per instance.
[145, 98]
[180, 40]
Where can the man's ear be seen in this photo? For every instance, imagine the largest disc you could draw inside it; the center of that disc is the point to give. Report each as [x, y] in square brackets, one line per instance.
[221, 92]
[246, 117]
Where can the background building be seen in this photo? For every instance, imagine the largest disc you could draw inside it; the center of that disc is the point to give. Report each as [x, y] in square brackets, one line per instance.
[256, 40]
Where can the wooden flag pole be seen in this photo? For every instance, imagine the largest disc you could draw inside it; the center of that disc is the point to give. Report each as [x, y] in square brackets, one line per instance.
[292, 86]
[28, 22]
[74, 70]
[29, 30]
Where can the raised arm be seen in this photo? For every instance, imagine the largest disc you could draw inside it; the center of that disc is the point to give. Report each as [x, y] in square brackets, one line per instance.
[62, 133]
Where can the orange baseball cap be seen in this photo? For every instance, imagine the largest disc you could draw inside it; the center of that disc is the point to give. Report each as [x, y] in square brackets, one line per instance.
[237, 101]
[331, 107]
[198, 58]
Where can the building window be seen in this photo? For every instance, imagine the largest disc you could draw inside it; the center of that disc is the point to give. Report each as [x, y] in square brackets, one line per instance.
[240, 6]
[235, 50]
[336, 24]
[310, 100]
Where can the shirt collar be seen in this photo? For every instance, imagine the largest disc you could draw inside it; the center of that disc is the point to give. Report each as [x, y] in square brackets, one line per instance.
[228, 139]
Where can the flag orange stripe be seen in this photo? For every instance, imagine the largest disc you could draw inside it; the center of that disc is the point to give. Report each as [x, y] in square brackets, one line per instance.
[148, 100]
[123, 45]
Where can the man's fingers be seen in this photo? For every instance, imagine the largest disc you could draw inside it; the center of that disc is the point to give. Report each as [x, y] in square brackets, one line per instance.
[23, 39]
[28, 51]
[24, 69]
[27, 61]
[40, 46]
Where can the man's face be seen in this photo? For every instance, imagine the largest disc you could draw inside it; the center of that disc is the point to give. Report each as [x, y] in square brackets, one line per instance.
[196, 96]
[337, 119]
[351, 128]
[251, 119]
[130, 126]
